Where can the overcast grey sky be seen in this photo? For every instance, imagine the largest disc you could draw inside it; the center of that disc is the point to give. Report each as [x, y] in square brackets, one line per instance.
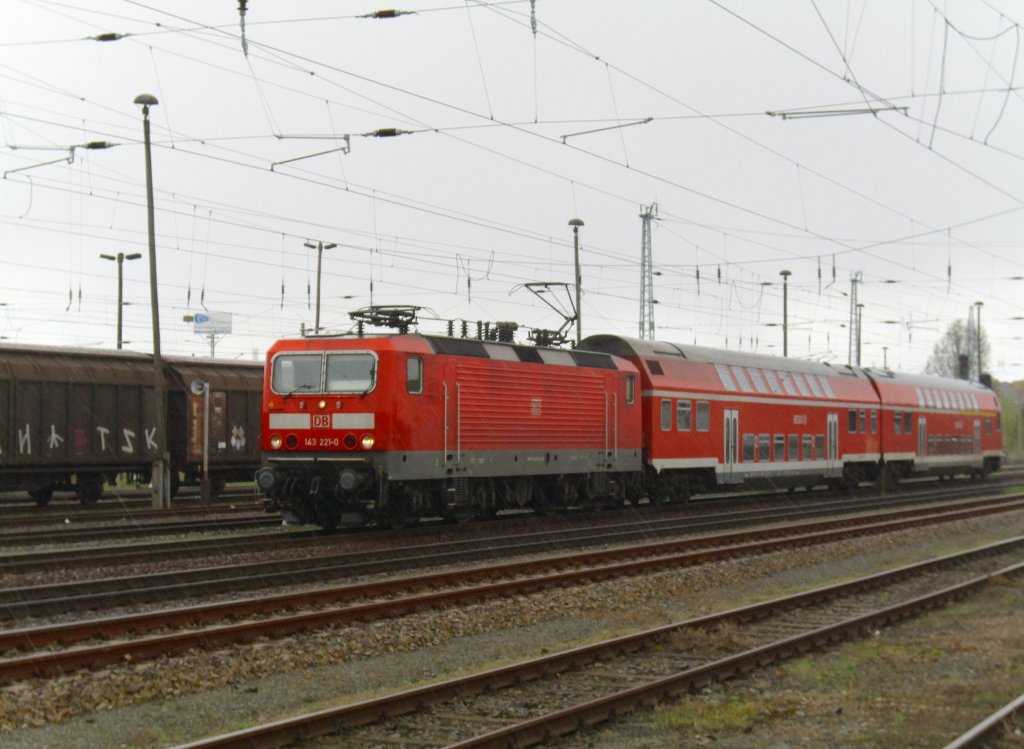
[507, 134]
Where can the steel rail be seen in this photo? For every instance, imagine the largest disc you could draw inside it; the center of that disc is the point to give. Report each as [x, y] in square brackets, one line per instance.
[526, 577]
[988, 728]
[553, 725]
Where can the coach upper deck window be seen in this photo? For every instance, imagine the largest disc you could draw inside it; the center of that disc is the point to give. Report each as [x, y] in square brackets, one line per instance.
[414, 375]
[351, 372]
[852, 426]
[297, 373]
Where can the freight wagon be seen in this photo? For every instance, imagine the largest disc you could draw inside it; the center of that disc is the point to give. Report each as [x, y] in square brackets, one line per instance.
[76, 418]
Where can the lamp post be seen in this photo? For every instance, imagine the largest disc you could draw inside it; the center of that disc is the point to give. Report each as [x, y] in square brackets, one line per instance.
[576, 223]
[860, 317]
[785, 311]
[978, 306]
[319, 247]
[121, 257]
[161, 466]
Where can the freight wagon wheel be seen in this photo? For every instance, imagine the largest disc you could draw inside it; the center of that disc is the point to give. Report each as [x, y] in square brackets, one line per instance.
[42, 495]
[89, 489]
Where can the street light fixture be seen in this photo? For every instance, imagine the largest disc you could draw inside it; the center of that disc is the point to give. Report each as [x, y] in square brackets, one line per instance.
[576, 223]
[121, 257]
[161, 466]
[785, 310]
[319, 247]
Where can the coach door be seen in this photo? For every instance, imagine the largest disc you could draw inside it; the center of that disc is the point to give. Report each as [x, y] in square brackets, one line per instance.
[832, 445]
[732, 441]
[922, 437]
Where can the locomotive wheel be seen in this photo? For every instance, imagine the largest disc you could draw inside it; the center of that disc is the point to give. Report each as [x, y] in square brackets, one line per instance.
[42, 495]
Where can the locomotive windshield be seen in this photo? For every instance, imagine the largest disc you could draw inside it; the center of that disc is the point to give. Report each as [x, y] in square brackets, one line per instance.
[350, 373]
[306, 373]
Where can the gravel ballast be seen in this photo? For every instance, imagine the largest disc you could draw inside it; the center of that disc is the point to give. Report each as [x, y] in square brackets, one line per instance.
[169, 701]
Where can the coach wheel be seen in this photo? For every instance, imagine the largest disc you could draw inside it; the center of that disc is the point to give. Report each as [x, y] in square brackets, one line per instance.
[42, 495]
[89, 489]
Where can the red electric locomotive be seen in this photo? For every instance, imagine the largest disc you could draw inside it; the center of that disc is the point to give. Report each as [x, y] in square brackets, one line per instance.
[392, 428]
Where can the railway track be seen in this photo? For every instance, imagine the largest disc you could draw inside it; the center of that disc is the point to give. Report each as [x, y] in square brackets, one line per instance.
[562, 693]
[22, 604]
[30, 651]
[990, 728]
[656, 520]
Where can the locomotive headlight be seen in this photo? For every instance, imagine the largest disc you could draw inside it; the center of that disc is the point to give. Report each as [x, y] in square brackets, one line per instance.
[367, 441]
[275, 441]
[322, 404]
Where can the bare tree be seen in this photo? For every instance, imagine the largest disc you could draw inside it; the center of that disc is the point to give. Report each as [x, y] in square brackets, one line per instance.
[959, 340]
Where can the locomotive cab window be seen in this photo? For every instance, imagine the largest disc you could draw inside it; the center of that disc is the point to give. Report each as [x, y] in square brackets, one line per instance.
[351, 373]
[296, 373]
[414, 375]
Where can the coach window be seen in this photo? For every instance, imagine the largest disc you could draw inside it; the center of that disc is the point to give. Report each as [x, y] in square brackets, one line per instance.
[741, 378]
[764, 448]
[808, 443]
[748, 448]
[874, 421]
[920, 397]
[815, 387]
[863, 421]
[683, 415]
[988, 425]
[956, 445]
[897, 423]
[852, 425]
[819, 446]
[907, 422]
[794, 447]
[703, 416]
[773, 381]
[630, 389]
[414, 375]
[787, 383]
[725, 377]
[780, 447]
[666, 415]
[758, 379]
[801, 385]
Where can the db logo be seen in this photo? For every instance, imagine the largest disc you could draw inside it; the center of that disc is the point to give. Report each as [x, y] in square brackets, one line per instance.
[321, 421]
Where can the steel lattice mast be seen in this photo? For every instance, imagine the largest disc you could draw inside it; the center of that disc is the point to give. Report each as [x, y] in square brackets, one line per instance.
[647, 274]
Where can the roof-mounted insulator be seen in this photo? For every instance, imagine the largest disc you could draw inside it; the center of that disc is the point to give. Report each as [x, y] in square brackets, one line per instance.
[241, 23]
[391, 13]
[387, 132]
